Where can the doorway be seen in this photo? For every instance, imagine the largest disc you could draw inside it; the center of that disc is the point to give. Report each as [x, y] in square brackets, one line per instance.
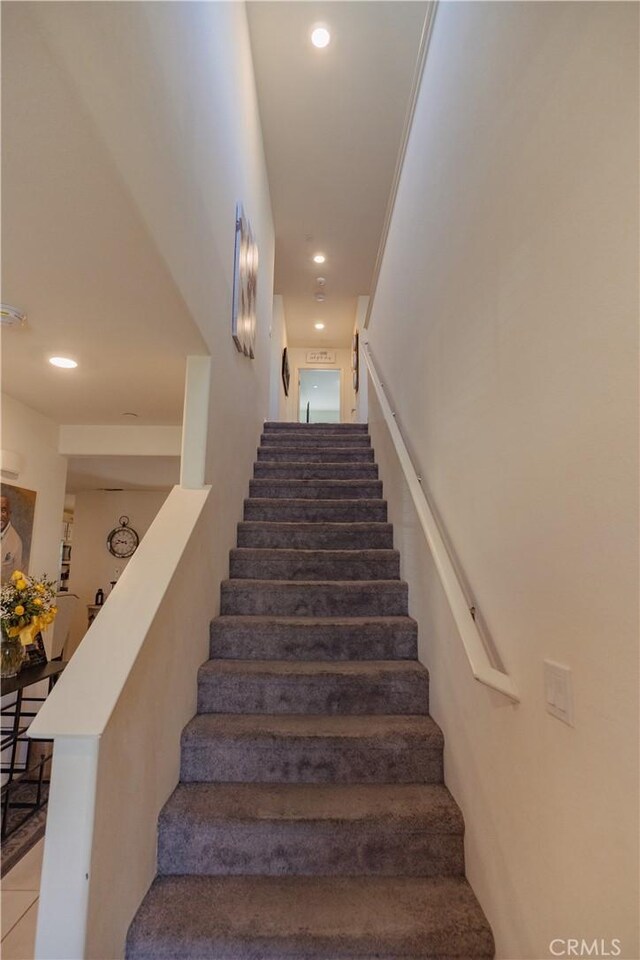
[319, 396]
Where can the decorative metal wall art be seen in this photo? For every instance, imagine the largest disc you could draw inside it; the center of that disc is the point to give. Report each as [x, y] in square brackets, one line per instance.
[355, 362]
[286, 376]
[245, 285]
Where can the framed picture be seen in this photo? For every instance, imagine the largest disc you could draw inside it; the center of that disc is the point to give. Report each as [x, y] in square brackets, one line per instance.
[35, 653]
[17, 508]
[321, 356]
[286, 376]
[245, 286]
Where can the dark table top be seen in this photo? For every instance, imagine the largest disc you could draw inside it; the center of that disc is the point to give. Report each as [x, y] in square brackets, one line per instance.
[29, 675]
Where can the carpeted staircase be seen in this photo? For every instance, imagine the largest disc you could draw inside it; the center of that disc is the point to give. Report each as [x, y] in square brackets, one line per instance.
[311, 820]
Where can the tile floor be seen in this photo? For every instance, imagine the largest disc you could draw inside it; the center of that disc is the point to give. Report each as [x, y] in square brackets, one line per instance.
[20, 889]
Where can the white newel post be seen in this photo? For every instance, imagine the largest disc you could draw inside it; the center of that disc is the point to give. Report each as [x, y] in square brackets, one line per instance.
[66, 867]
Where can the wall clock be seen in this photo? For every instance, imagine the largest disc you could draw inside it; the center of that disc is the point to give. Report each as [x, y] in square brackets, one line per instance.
[123, 541]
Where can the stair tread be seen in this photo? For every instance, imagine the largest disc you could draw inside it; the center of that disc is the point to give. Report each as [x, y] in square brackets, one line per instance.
[293, 552]
[304, 465]
[334, 428]
[315, 623]
[327, 464]
[323, 482]
[431, 803]
[323, 454]
[281, 564]
[353, 585]
[297, 436]
[315, 535]
[316, 502]
[373, 727]
[316, 509]
[346, 482]
[313, 526]
[332, 639]
[314, 598]
[323, 551]
[273, 686]
[310, 445]
[309, 918]
[312, 668]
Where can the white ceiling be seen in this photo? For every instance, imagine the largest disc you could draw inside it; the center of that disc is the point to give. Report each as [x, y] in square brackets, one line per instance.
[77, 257]
[332, 123]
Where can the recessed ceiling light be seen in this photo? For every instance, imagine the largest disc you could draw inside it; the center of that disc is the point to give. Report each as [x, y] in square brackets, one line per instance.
[320, 37]
[319, 258]
[64, 362]
[315, 386]
[319, 326]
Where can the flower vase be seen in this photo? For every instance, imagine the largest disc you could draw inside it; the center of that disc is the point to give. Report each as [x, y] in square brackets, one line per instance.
[12, 656]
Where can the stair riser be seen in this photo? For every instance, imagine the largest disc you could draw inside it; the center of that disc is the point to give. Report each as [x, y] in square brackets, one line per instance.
[317, 440]
[317, 511]
[313, 695]
[314, 471]
[312, 428]
[274, 848]
[315, 536]
[314, 565]
[310, 490]
[316, 454]
[231, 640]
[313, 600]
[305, 760]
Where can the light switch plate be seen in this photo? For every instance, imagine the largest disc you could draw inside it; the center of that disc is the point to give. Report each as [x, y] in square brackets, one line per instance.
[558, 691]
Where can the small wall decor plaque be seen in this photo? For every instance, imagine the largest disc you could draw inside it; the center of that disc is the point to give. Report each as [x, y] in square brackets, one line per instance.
[245, 285]
[321, 356]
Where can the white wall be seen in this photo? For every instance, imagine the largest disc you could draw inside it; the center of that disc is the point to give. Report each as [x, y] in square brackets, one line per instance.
[97, 440]
[35, 438]
[96, 513]
[505, 331]
[188, 145]
[277, 399]
[298, 361]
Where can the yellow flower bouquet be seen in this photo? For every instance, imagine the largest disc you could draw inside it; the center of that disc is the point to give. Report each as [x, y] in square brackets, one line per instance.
[27, 606]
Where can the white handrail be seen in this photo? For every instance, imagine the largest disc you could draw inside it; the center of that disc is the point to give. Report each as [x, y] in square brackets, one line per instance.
[479, 661]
